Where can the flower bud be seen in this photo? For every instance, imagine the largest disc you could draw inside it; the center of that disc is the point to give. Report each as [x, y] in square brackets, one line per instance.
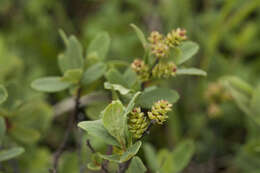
[141, 69]
[175, 37]
[164, 70]
[160, 49]
[137, 122]
[155, 37]
[159, 111]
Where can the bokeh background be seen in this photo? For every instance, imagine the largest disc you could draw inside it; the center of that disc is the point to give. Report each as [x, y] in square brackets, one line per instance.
[228, 32]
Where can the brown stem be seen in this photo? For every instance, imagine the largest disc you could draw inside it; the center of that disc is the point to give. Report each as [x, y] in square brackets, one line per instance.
[103, 164]
[124, 166]
[147, 131]
[71, 120]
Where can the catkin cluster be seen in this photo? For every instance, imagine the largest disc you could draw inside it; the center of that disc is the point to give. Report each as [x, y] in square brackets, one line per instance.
[138, 122]
[160, 48]
[160, 45]
[141, 69]
[164, 70]
[175, 37]
[215, 95]
[159, 111]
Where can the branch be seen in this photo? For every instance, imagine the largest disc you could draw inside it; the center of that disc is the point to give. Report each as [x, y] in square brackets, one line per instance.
[71, 120]
[124, 166]
[147, 131]
[103, 164]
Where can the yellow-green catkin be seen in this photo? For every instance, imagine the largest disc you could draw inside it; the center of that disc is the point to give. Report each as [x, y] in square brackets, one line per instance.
[137, 122]
[164, 70]
[175, 37]
[215, 95]
[141, 69]
[155, 37]
[159, 111]
[158, 46]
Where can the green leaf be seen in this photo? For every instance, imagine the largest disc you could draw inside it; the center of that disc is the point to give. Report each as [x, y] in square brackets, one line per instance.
[140, 35]
[165, 160]
[188, 50]
[100, 45]
[191, 71]
[93, 166]
[72, 76]
[93, 73]
[136, 166]
[131, 104]
[73, 55]
[25, 134]
[115, 77]
[238, 84]
[241, 93]
[50, 84]
[64, 37]
[3, 94]
[112, 158]
[131, 77]
[150, 156]
[2, 129]
[182, 155]
[122, 90]
[97, 129]
[254, 103]
[114, 121]
[128, 154]
[148, 98]
[10, 153]
[95, 163]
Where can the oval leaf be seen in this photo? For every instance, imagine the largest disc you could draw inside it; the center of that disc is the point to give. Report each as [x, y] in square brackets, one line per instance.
[72, 76]
[254, 103]
[128, 154]
[188, 49]
[3, 94]
[114, 121]
[115, 77]
[150, 156]
[122, 90]
[140, 35]
[50, 84]
[73, 55]
[182, 155]
[2, 129]
[191, 71]
[93, 73]
[97, 129]
[100, 45]
[11, 153]
[136, 166]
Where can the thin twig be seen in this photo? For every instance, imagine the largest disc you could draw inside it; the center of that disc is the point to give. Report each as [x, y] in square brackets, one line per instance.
[124, 166]
[90, 147]
[78, 135]
[147, 131]
[71, 120]
[103, 164]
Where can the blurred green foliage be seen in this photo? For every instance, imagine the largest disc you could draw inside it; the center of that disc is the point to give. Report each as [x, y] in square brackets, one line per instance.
[226, 134]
